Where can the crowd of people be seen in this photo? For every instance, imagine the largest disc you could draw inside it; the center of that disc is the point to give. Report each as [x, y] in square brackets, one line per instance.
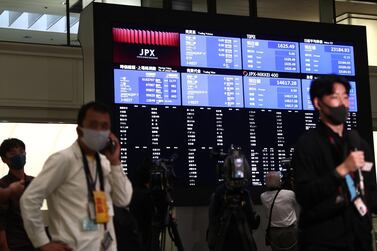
[85, 184]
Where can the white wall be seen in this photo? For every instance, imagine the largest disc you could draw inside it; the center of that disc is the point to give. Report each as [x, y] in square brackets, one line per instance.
[41, 140]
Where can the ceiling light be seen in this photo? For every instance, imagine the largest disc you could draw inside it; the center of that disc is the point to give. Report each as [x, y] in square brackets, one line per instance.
[356, 1]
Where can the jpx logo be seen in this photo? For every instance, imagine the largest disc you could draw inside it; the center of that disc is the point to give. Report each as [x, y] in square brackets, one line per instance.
[147, 53]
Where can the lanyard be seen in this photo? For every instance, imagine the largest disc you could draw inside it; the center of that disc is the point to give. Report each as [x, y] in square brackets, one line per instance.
[89, 179]
[348, 178]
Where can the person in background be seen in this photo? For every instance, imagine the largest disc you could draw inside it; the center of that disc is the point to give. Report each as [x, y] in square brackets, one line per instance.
[335, 202]
[80, 185]
[13, 236]
[283, 228]
[14, 189]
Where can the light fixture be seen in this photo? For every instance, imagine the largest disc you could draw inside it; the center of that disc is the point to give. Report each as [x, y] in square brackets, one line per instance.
[359, 2]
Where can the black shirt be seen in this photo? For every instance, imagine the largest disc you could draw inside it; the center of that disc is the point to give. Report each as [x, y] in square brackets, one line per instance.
[328, 217]
[11, 220]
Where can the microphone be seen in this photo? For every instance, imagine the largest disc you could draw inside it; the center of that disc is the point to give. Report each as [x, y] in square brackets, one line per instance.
[354, 141]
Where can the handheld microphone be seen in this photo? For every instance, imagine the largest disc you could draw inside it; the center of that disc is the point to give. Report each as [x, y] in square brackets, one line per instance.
[354, 141]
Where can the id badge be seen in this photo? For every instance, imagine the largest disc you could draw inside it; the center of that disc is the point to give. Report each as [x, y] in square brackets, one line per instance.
[102, 212]
[106, 241]
[89, 225]
[360, 206]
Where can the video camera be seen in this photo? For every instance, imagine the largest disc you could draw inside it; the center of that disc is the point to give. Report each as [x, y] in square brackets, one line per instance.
[233, 168]
[162, 175]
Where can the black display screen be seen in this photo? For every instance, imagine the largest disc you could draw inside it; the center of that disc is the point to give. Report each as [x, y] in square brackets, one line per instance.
[202, 83]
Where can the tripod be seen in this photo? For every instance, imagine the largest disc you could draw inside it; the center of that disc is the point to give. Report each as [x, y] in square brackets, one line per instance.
[231, 221]
[164, 220]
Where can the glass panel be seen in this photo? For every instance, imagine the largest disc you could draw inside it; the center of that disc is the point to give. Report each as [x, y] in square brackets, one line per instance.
[304, 10]
[370, 22]
[33, 23]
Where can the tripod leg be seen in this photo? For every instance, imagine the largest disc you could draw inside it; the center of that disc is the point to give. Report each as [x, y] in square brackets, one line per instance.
[174, 234]
[245, 231]
[155, 244]
[225, 222]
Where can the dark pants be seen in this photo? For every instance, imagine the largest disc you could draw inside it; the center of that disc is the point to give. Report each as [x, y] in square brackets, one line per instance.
[284, 238]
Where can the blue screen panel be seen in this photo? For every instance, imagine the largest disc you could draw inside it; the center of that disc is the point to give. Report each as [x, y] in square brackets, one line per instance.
[268, 55]
[353, 97]
[147, 87]
[272, 93]
[212, 90]
[327, 59]
[307, 104]
[305, 86]
[210, 51]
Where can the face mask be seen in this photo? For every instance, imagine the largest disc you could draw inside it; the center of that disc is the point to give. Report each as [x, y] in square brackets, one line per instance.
[17, 162]
[95, 140]
[337, 115]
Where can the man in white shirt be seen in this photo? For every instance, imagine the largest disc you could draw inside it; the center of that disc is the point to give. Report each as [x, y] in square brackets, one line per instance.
[80, 186]
[283, 230]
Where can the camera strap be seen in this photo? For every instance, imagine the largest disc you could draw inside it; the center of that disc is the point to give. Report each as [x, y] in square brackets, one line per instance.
[269, 216]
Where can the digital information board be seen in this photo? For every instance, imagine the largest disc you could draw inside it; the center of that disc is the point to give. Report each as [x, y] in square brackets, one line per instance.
[252, 93]
[201, 84]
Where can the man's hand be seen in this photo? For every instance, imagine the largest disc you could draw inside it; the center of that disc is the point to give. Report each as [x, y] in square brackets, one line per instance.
[55, 246]
[114, 157]
[17, 188]
[354, 161]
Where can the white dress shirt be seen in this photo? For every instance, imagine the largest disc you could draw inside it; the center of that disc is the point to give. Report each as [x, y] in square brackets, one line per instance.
[63, 183]
[284, 209]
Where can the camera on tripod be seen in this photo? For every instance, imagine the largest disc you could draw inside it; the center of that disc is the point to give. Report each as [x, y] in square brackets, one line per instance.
[162, 175]
[233, 168]
[162, 178]
[231, 214]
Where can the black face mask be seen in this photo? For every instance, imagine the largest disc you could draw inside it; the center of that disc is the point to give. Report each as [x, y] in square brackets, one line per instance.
[337, 115]
[17, 162]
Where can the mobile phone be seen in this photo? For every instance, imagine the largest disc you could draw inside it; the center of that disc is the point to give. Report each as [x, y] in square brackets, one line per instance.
[110, 146]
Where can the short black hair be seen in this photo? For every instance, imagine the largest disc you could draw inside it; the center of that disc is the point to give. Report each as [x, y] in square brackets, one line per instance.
[325, 86]
[9, 144]
[93, 105]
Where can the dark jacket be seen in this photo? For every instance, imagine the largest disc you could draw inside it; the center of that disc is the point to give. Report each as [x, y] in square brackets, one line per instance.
[328, 217]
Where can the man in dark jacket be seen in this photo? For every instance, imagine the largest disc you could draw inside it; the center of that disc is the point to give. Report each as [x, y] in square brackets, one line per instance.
[335, 211]
[12, 233]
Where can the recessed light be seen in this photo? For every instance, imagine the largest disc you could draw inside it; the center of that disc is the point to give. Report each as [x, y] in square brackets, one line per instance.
[64, 2]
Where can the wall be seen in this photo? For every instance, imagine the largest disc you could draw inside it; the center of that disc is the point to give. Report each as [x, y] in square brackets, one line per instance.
[39, 82]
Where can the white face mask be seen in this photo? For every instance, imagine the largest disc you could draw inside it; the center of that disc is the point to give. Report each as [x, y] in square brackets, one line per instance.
[95, 140]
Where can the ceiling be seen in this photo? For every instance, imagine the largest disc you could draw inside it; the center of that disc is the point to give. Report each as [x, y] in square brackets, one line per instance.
[305, 10]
